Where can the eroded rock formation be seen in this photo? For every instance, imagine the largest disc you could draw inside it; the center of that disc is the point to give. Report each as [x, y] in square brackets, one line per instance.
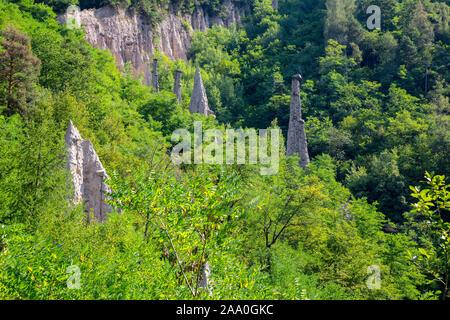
[199, 100]
[88, 174]
[155, 80]
[296, 139]
[131, 38]
[177, 85]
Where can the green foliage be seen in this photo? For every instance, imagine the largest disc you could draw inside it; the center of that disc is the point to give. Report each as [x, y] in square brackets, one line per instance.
[34, 183]
[190, 220]
[430, 214]
[372, 130]
[19, 70]
[368, 83]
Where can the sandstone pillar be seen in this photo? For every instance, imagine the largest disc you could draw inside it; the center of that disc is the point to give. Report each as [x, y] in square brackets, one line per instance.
[296, 140]
[177, 85]
[199, 100]
[155, 81]
[88, 175]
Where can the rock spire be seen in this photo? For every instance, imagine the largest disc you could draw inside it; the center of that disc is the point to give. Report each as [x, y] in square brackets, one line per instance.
[199, 100]
[177, 85]
[88, 174]
[155, 80]
[296, 139]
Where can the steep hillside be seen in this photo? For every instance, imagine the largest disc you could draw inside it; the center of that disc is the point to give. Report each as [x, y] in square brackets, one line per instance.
[113, 189]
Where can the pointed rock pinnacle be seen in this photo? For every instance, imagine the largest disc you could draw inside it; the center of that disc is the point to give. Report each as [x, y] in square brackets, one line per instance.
[199, 101]
[88, 174]
[296, 139]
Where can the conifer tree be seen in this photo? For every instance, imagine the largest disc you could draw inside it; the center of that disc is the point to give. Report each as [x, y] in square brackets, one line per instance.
[19, 69]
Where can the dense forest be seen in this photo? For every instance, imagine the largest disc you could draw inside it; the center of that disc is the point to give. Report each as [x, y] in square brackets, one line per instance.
[372, 204]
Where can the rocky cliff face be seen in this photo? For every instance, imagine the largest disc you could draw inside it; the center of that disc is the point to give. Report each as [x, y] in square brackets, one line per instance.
[131, 38]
